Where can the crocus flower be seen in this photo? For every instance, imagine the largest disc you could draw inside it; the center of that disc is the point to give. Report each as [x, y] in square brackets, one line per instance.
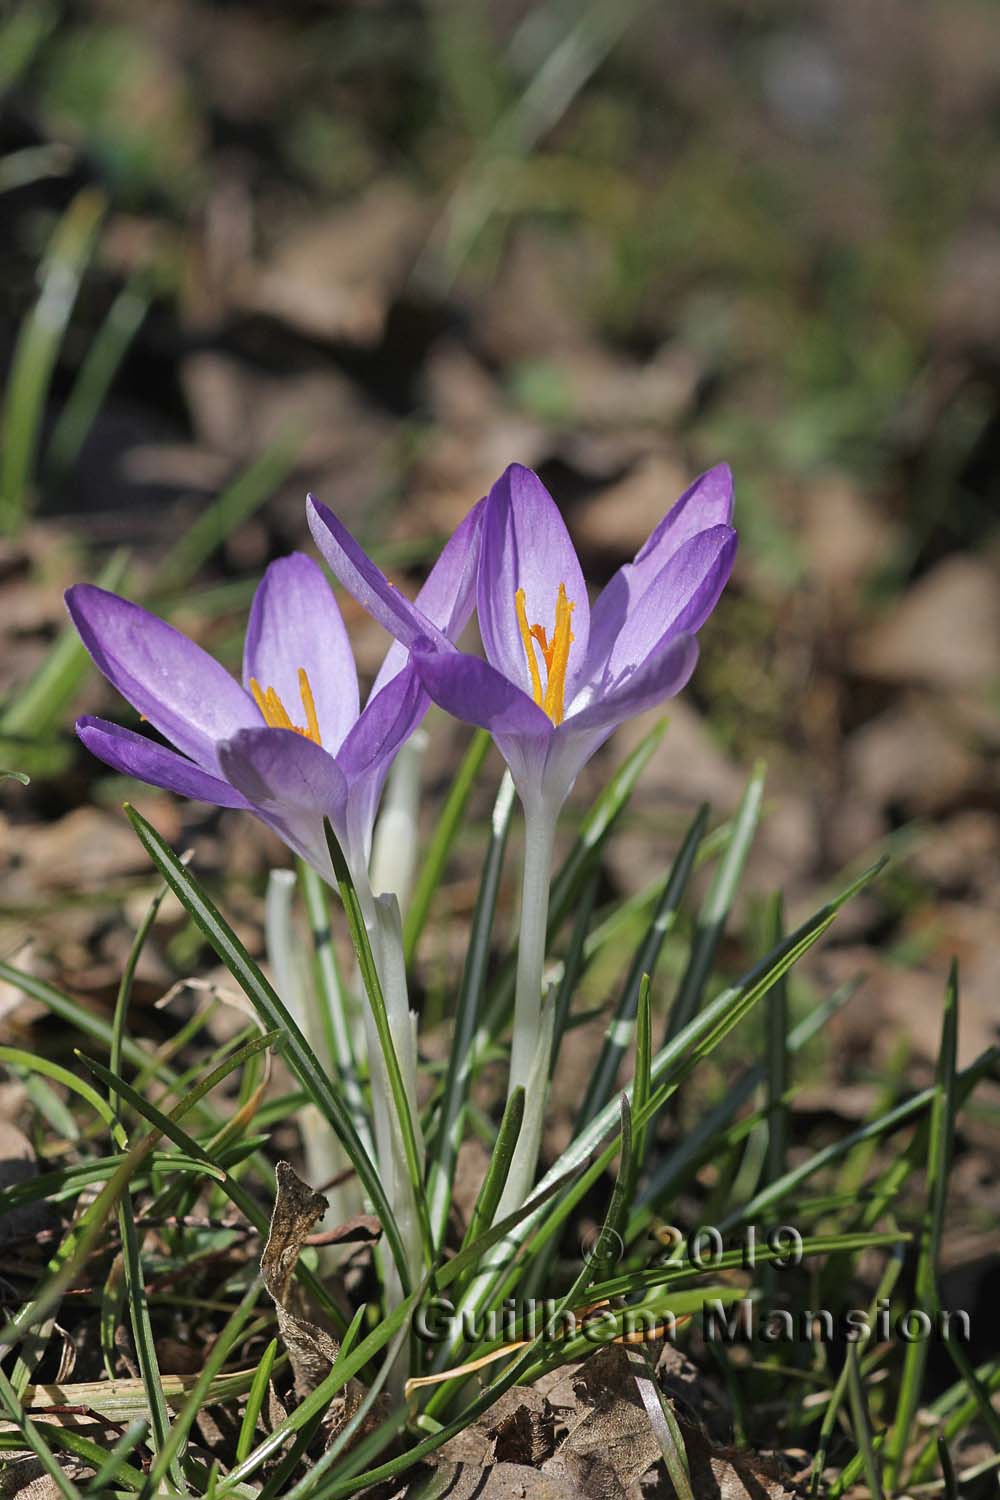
[558, 678]
[559, 674]
[290, 744]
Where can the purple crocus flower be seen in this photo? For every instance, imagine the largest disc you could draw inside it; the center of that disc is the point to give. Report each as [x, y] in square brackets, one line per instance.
[290, 744]
[559, 674]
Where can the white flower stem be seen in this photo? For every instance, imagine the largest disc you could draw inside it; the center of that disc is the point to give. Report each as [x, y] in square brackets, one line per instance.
[529, 1070]
[324, 1154]
[395, 846]
[382, 922]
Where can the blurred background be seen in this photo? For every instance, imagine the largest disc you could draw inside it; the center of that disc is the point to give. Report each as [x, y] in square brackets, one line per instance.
[379, 249]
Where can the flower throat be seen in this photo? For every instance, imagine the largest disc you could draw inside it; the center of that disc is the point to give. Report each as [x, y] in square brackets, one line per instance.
[555, 654]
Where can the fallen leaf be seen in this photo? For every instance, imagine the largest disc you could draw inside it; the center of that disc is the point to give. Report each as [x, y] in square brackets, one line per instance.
[311, 1349]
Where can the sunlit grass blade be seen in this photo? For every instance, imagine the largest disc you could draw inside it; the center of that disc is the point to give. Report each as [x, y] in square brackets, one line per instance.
[31, 1434]
[663, 1422]
[93, 382]
[210, 1156]
[37, 350]
[28, 1062]
[621, 1028]
[985, 1410]
[237, 503]
[715, 908]
[445, 832]
[276, 1016]
[114, 1467]
[488, 1198]
[75, 1014]
[317, 1401]
[167, 1461]
[255, 1401]
[460, 1054]
[125, 985]
[143, 1342]
[91, 1224]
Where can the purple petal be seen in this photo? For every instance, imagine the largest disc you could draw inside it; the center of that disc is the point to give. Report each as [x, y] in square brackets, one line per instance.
[173, 683]
[365, 582]
[680, 598]
[134, 755]
[705, 504]
[526, 546]
[387, 720]
[295, 622]
[449, 592]
[291, 783]
[664, 672]
[661, 675]
[470, 689]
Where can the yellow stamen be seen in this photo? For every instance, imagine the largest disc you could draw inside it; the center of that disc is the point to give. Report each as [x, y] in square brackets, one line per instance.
[276, 715]
[555, 654]
[529, 650]
[309, 704]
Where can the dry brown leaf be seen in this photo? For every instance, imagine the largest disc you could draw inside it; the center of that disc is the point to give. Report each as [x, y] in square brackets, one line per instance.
[311, 1349]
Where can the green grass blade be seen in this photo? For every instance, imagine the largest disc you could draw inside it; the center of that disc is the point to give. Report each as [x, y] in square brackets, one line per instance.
[499, 1166]
[113, 1468]
[168, 1459]
[885, 1287]
[237, 503]
[255, 1401]
[700, 1141]
[442, 841]
[22, 32]
[460, 1054]
[39, 707]
[93, 382]
[28, 1062]
[777, 1054]
[715, 909]
[663, 1422]
[621, 1029]
[37, 350]
[942, 1127]
[260, 993]
[674, 1062]
[33, 1439]
[143, 1342]
[947, 1470]
[863, 1435]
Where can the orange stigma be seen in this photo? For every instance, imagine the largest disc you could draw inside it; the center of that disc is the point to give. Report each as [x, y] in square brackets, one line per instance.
[555, 654]
[275, 713]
